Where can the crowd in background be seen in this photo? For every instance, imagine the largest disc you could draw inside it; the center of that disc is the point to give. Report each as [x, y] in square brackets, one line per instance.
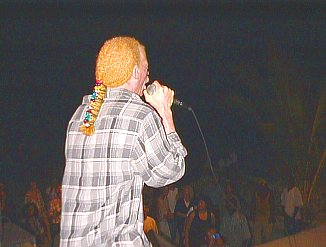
[212, 214]
[190, 215]
[40, 212]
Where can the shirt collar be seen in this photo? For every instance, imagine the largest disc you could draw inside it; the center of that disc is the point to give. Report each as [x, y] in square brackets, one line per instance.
[118, 93]
[114, 93]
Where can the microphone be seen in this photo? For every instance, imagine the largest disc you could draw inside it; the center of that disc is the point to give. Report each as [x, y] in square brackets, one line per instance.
[151, 89]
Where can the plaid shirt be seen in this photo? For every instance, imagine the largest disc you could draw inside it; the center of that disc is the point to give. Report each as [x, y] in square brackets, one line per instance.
[105, 173]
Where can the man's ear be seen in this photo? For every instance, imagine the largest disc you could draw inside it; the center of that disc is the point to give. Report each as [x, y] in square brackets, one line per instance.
[135, 72]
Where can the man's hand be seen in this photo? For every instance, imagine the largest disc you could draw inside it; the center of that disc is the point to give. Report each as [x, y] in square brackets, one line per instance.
[162, 100]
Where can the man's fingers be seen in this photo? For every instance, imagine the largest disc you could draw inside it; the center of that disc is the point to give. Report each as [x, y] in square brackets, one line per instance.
[145, 93]
[172, 94]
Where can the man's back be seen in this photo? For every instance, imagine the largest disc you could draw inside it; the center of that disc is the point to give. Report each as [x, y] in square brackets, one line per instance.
[102, 185]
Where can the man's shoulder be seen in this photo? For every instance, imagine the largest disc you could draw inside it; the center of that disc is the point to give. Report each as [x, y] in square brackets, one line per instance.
[135, 108]
[110, 107]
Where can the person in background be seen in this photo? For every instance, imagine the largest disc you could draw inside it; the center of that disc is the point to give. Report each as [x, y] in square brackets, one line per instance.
[116, 142]
[163, 213]
[152, 233]
[231, 200]
[198, 222]
[214, 239]
[54, 212]
[34, 195]
[150, 227]
[291, 201]
[172, 200]
[34, 224]
[215, 192]
[182, 208]
[234, 225]
[52, 190]
[263, 212]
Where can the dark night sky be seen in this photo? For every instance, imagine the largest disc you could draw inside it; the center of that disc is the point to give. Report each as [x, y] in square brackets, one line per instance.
[48, 53]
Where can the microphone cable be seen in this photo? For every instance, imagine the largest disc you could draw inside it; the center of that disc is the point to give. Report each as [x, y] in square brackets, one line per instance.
[151, 90]
[207, 154]
[202, 136]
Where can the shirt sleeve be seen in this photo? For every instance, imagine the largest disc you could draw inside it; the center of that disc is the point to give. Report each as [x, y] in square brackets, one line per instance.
[161, 157]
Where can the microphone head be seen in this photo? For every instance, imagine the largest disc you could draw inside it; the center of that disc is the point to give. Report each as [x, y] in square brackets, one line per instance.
[151, 89]
[177, 102]
[181, 104]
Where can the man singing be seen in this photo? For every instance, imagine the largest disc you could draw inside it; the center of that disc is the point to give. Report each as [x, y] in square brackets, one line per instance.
[115, 143]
